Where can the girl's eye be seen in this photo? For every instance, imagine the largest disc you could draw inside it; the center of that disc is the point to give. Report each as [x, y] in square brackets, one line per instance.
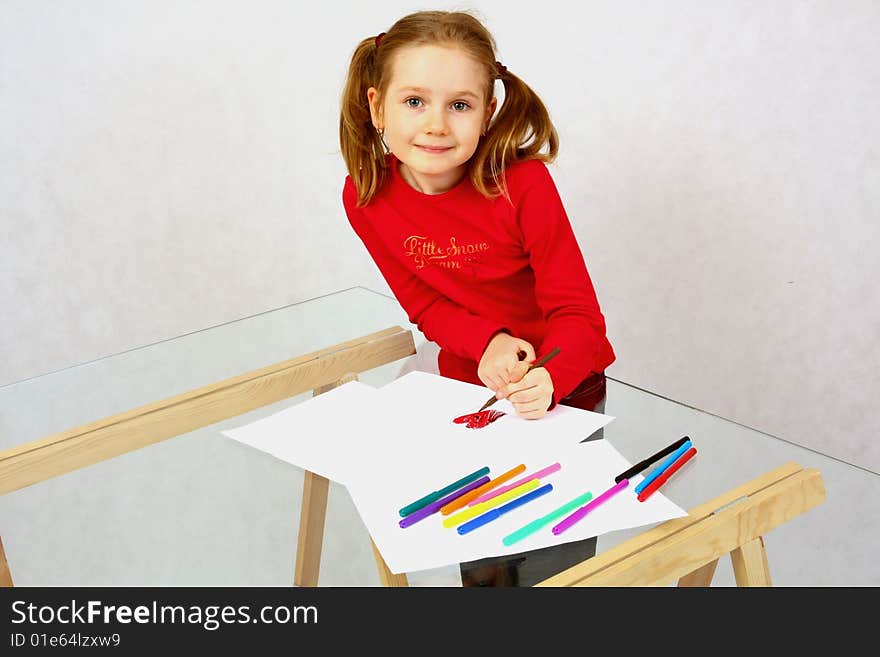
[413, 102]
[460, 105]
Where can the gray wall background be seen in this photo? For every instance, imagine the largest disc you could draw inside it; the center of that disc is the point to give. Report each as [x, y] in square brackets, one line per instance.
[165, 167]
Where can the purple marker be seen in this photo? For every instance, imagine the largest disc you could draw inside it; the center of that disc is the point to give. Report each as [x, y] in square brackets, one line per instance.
[434, 507]
[568, 521]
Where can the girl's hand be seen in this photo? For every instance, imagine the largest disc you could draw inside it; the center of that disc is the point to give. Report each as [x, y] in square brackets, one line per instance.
[500, 360]
[531, 395]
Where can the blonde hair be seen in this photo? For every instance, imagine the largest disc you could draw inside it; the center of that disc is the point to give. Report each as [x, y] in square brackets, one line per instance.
[520, 130]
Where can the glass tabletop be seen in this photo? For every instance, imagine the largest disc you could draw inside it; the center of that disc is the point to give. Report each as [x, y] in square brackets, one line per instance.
[203, 510]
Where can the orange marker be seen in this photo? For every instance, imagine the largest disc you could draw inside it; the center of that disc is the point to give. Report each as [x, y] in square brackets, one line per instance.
[459, 502]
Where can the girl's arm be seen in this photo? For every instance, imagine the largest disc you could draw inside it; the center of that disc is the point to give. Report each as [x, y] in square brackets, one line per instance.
[451, 326]
[563, 288]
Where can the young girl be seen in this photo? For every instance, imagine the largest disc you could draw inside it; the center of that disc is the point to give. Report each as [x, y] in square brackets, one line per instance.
[460, 214]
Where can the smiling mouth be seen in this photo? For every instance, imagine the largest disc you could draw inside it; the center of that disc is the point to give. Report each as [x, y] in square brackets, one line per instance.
[432, 149]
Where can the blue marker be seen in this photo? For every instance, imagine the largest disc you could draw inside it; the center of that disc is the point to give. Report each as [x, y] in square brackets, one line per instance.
[656, 472]
[490, 515]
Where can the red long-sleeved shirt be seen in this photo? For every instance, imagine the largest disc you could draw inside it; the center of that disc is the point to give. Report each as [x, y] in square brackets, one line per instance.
[464, 267]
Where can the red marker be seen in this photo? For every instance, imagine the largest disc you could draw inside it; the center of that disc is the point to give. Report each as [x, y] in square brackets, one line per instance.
[666, 474]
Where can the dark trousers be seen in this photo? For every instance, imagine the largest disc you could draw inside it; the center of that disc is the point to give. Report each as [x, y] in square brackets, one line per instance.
[529, 568]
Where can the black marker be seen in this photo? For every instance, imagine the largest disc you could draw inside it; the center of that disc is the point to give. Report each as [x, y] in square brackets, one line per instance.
[641, 465]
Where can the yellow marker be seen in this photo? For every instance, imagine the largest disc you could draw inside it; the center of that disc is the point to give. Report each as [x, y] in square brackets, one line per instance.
[482, 507]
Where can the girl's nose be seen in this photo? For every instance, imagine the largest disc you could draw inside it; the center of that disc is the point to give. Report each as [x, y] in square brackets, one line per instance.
[435, 122]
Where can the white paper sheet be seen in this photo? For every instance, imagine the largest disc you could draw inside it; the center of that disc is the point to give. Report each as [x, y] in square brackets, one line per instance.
[418, 434]
[586, 467]
[393, 445]
[327, 434]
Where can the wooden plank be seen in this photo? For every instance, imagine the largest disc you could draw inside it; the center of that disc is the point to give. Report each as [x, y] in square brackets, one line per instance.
[717, 535]
[313, 513]
[385, 575]
[5, 574]
[668, 528]
[683, 545]
[750, 567]
[82, 446]
[702, 576]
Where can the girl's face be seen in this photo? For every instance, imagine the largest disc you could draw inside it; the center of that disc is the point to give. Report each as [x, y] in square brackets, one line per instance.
[433, 114]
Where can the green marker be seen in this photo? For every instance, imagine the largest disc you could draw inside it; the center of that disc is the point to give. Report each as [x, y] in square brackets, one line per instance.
[535, 525]
[437, 494]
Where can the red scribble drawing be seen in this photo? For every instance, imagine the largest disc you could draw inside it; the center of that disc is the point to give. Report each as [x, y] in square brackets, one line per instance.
[479, 420]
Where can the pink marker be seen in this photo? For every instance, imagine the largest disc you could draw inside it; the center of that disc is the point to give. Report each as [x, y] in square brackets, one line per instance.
[550, 469]
[568, 521]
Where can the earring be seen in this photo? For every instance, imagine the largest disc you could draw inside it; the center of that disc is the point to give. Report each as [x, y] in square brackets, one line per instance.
[381, 132]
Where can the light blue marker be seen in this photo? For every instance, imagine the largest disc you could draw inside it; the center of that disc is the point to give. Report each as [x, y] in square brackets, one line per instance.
[656, 472]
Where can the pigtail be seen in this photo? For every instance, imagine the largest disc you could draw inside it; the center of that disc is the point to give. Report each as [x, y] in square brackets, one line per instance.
[361, 145]
[521, 130]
